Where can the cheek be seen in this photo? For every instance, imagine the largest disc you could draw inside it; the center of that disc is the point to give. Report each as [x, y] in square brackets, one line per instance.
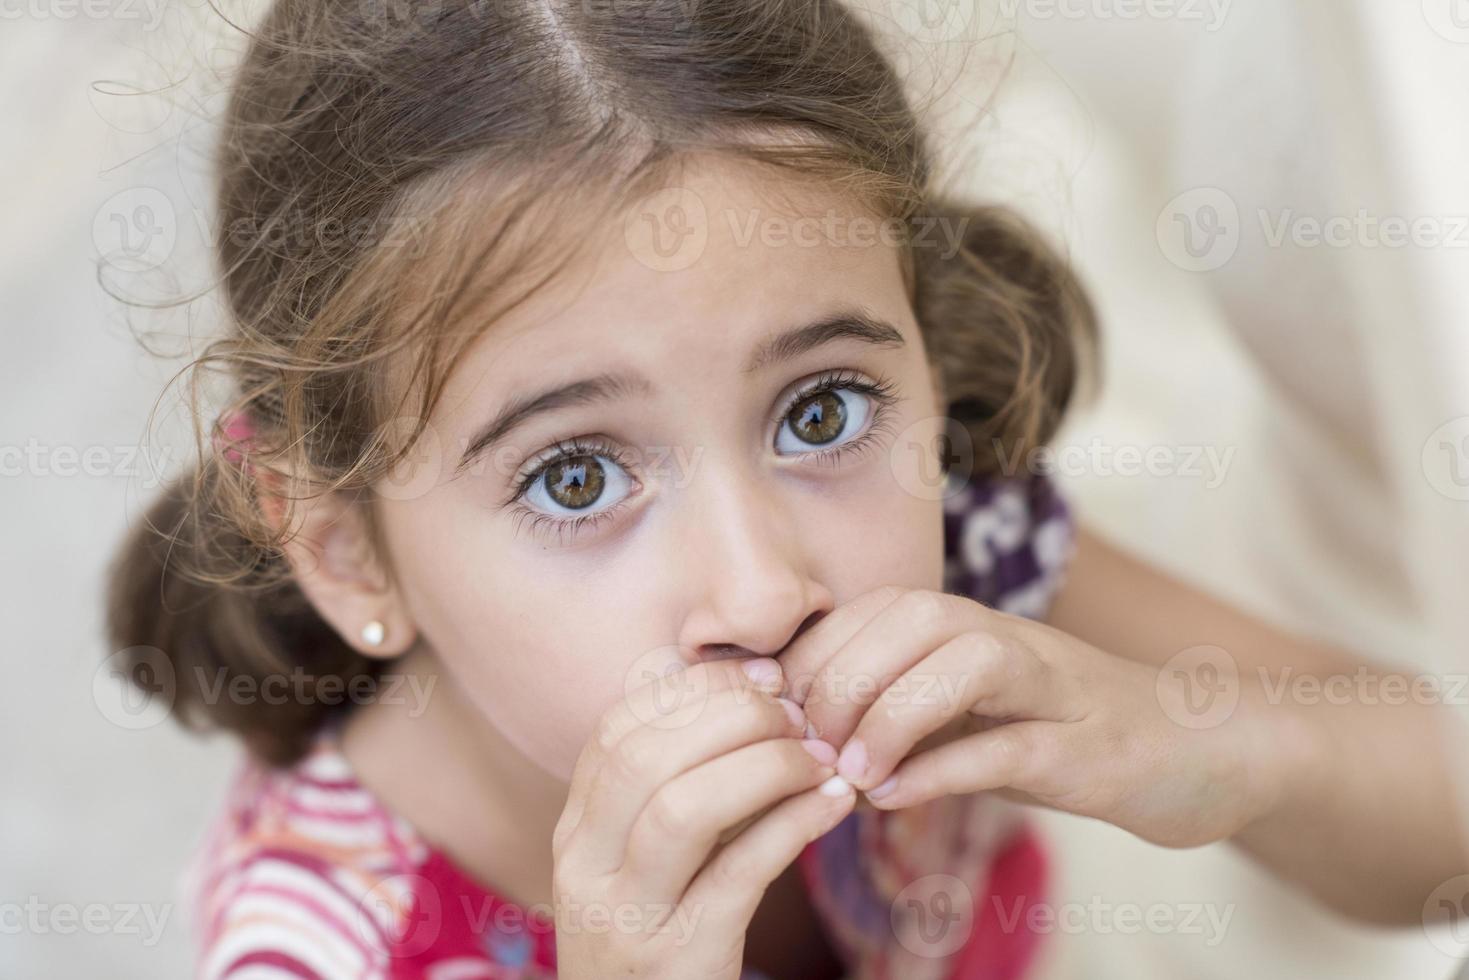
[542, 699]
[528, 659]
[887, 536]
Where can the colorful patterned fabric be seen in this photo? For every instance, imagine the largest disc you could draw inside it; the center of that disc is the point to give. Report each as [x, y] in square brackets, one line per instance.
[304, 873]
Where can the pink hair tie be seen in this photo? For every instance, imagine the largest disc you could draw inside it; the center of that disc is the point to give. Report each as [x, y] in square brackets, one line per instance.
[237, 428]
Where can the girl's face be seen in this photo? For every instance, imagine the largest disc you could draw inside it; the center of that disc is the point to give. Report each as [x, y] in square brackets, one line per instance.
[681, 453]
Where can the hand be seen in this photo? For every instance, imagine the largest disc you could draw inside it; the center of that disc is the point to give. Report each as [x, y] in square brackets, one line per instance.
[931, 693]
[677, 821]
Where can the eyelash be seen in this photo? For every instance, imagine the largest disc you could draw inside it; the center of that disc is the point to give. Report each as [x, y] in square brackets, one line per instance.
[883, 393]
[564, 526]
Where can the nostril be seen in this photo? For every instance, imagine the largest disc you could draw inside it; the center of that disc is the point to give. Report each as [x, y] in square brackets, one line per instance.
[722, 651]
[807, 623]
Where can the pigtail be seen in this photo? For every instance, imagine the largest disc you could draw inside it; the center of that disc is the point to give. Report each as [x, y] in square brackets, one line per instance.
[235, 648]
[1010, 330]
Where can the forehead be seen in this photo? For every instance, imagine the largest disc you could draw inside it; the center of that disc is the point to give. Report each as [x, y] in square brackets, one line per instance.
[694, 274]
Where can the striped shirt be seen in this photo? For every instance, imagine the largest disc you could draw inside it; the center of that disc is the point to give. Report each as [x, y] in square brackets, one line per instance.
[304, 873]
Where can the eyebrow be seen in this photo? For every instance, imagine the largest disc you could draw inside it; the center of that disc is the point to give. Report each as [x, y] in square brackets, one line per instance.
[843, 325]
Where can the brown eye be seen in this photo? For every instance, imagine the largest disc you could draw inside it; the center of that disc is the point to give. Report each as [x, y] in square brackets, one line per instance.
[819, 419]
[575, 482]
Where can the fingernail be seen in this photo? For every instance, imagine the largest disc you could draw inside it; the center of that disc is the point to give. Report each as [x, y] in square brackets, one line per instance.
[793, 711]
[821, 751]
[853, 761]
[763, 672]
[811, 731]
[883, 788]
[836, 786]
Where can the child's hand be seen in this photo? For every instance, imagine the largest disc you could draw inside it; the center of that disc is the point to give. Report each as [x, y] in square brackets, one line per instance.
[948, 696]
[682, 765]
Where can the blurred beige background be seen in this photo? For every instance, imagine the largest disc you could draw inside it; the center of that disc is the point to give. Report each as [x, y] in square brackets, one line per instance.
[1179, 149]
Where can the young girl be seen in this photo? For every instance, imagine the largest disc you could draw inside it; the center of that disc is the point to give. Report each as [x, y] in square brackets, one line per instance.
[610, 559]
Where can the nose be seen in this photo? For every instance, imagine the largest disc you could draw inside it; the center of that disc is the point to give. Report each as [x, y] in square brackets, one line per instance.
[752, 588]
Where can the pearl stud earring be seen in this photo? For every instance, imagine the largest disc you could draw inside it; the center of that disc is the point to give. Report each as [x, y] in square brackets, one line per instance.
[372, 633]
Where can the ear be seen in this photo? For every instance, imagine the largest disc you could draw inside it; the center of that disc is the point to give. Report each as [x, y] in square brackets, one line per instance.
[331, 555]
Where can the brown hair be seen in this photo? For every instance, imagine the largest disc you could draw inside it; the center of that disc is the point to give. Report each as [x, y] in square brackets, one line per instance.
[349, 131]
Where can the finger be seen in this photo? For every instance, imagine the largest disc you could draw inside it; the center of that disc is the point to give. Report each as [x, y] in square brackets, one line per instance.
[668, 701]
[805, 656]
[901, 634]
[1021, 756]
[645, 759]
[979, 673]
[729, 888]
[681, 824]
